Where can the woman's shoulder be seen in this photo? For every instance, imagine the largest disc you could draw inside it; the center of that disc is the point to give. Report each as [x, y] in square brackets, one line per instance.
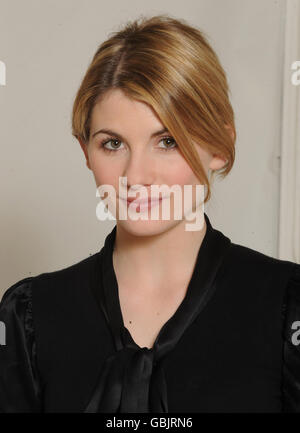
[18, 297]
[16, 306]
[282, 277]
[250, 255]
[261, 274]
[20, 290]
[74, 272]
[258, 263]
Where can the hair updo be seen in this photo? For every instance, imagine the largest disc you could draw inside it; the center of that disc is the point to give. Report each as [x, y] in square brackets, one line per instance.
[169, 65]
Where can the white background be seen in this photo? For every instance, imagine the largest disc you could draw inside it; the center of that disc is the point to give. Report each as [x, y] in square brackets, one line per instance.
[48, 195]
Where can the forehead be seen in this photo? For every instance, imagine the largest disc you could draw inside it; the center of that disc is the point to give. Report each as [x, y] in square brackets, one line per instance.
[116, 109]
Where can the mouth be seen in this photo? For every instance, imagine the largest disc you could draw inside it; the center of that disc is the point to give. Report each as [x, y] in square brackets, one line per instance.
[143, 203]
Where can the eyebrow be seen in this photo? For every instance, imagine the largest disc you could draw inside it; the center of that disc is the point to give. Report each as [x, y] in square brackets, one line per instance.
[119, 136]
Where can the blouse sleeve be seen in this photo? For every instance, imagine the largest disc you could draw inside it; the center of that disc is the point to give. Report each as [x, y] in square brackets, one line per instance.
[20, 386]
[291, 344]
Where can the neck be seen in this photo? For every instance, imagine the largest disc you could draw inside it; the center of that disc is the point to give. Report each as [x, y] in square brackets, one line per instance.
[163, 259]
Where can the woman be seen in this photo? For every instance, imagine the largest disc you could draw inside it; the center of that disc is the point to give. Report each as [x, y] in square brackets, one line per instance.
[162, 318]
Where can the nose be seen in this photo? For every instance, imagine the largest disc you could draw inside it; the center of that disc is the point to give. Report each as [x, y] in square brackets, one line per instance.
[140, 170]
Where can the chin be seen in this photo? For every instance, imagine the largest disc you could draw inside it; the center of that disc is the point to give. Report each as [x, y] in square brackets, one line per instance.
[147, 228]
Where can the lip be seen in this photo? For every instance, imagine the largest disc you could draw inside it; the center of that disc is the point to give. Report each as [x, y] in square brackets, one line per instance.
[143, 202]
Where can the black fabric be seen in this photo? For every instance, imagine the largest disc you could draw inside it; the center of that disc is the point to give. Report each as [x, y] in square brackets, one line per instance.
[126, 379]
[291, 345]
[20, 386]
[229, 347]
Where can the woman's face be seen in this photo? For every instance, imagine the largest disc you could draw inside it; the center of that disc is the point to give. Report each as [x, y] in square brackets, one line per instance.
[136, 153]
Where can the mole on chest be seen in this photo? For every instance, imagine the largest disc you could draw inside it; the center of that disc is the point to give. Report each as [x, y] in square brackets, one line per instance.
[144, 317]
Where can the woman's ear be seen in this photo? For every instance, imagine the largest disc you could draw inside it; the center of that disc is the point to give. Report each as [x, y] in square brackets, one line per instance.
[83, 146]
[217, 161]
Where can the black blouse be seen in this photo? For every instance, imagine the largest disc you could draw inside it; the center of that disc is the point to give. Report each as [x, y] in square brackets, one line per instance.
[233, 344]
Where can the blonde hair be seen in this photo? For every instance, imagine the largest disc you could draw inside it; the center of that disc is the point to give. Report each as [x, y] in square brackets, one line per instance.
[169, 65]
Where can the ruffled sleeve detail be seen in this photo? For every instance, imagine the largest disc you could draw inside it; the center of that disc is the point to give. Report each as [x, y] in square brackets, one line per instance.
[20, 384]
[291, 344]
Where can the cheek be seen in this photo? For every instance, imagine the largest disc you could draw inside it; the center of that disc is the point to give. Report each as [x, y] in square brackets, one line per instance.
[104, 173]
[180, 173]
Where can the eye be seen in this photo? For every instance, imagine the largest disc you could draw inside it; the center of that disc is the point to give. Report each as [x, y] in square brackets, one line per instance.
[169, 146]
[105, 142]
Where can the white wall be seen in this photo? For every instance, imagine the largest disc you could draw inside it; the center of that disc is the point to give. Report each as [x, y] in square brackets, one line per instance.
[48, 201]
